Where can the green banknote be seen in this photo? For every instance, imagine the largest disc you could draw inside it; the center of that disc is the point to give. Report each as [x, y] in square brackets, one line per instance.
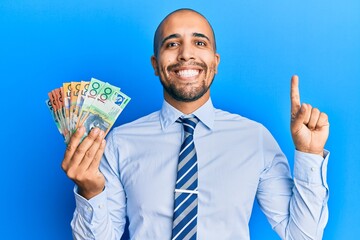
[94, 89]
[103, 111]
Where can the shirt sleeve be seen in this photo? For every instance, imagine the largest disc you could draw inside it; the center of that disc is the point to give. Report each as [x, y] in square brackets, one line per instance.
[103, 216]
[295, 207]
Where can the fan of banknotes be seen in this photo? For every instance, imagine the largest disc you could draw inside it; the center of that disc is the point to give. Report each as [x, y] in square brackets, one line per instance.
[89, 104]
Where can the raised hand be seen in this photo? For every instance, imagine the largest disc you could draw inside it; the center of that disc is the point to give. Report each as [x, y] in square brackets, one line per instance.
[309, 126]
[81, 161]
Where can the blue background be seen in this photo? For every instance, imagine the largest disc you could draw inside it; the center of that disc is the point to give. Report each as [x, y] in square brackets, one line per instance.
[261, 43]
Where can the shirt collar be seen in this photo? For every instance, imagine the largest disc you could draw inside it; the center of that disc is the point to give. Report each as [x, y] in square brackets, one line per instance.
[169, 114]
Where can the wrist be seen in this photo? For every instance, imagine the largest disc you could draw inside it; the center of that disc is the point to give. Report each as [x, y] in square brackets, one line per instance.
[320, 153]
[88, 194]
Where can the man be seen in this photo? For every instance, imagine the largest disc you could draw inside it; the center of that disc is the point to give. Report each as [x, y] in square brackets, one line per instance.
[233, 159]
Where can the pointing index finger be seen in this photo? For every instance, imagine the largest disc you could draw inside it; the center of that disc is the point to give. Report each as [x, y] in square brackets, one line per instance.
[295, 95]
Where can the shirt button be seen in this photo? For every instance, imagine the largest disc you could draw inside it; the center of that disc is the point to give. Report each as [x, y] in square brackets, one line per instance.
[89, 209]
[312, 169]
[101, 206]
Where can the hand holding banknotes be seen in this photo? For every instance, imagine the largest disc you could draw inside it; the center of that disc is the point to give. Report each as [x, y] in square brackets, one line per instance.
[84, 112]
[81, 161]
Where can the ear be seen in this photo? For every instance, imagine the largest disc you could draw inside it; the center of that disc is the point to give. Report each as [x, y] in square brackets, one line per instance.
[154, 65]
[217, 62]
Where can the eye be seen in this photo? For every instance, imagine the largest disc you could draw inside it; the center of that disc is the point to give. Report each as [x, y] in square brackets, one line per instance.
[200, 43]
[172, 44]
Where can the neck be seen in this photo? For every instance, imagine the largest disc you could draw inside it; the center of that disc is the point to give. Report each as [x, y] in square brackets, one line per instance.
[187, 107]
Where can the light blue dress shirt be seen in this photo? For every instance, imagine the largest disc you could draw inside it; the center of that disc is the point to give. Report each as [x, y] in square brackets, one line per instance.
[238, 161]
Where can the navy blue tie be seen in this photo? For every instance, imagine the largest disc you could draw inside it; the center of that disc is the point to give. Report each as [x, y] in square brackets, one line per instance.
[186, 188]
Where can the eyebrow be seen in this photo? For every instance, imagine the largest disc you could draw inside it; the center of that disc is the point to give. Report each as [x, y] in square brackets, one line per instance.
[171, 36]
[200, 35]
[176, 35]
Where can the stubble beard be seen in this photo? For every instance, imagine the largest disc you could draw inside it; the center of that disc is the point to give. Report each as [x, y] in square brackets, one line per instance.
[187, 92]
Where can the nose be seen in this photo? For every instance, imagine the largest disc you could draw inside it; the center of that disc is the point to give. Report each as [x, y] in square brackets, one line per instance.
[186, 52]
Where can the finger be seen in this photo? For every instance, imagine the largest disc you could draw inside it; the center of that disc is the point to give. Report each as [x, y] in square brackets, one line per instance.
[308, 110]
[94, 166]
[71, 147]
[294, 96]
[314, 118]
[84, 147]
[91, 152]
[323, 121]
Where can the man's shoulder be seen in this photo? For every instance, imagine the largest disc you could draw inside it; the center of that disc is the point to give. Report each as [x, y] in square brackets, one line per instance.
[234, 118]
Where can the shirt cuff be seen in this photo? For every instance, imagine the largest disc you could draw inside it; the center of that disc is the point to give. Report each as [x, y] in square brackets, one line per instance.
[92, 210]
[311, 168]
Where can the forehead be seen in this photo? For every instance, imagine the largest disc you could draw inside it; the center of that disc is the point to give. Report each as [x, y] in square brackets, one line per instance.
[185, 22]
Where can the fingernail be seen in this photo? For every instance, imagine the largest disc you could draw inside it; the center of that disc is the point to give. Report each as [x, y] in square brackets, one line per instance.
[101, 133]
[96, 130]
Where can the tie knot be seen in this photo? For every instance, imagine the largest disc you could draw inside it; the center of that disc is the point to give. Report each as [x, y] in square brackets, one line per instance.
[189, 124]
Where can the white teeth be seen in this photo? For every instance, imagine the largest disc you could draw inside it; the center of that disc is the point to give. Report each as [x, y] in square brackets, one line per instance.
[188, 73]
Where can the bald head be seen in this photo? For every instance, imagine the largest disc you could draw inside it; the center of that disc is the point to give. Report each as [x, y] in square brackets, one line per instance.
[183, 12]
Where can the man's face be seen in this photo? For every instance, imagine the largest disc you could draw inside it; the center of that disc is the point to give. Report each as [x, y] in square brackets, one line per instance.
[186, 61]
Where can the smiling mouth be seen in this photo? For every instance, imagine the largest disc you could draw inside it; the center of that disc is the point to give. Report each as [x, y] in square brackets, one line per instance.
[187, 73]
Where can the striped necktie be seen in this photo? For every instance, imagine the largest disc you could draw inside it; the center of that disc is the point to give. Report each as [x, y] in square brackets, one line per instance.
[186, 188]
